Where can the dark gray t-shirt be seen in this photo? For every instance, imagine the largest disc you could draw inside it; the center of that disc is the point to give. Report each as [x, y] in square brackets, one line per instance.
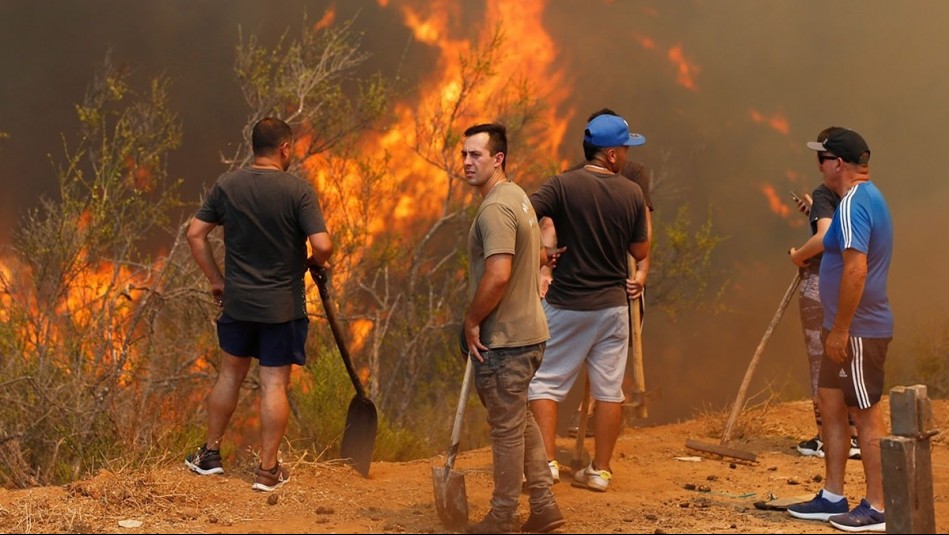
[267, 216]
[636, 172]
[597, 216]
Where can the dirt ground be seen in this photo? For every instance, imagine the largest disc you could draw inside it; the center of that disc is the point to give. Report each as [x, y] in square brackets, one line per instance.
[659, 486]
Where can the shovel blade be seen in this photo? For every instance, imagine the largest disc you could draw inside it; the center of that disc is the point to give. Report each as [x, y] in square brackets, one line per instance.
[451, 498]
[359, 437]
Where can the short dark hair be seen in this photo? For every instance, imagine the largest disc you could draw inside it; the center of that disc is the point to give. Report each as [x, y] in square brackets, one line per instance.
[601, 111]
[497, 138]
[269, 133]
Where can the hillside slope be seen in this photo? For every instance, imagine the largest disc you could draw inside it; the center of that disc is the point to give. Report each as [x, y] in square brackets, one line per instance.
[651, 491]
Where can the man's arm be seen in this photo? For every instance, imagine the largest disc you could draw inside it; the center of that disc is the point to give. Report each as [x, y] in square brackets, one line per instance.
[198, 232]
[497, 274]
[321, 248]
[813, 246]
[642, 266]
[852, 282]
[548, 238]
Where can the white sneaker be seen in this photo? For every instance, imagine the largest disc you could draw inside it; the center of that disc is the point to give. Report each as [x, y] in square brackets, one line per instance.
[554, 470]
[597, 480]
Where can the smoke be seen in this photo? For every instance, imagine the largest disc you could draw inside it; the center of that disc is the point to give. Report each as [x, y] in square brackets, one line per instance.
[725, 92]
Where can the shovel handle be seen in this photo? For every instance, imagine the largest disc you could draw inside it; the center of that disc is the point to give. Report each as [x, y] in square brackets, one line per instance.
[321, 277]
[459, 415]
[581, 426]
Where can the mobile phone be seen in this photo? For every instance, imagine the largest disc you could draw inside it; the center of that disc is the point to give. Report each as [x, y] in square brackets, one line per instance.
[801, 205]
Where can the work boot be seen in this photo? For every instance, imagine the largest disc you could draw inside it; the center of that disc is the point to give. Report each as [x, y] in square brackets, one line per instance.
[493, 524]
[546, 520]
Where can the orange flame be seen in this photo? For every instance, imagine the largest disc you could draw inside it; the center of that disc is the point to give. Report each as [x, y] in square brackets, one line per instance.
[329, 16]
[774, 201]
[777, 121]
[687, 69]
[646, 42]
[418, 188]
[415, 187]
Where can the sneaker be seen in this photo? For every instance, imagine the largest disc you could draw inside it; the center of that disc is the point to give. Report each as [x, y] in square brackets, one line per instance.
[819, 508]
[554, 470]
[271, 480]
[854, 448]
[592, 478]
[862, 518]
[205, 461]
[811, 448]
[493, 524]
[548, 519]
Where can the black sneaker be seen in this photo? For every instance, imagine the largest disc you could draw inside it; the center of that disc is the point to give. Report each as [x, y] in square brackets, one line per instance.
[812, 448]
[548, 519]
[493, 524]
[854, 448]
[205, 461]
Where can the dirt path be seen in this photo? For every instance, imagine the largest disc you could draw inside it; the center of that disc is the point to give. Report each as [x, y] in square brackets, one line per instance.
[652, 490]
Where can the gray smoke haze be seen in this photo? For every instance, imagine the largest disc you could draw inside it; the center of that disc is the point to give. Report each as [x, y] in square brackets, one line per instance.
[767, 77]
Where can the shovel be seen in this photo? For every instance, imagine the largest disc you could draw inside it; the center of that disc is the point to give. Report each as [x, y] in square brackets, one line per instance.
[576, 461]
[451, 498]
[359, 437]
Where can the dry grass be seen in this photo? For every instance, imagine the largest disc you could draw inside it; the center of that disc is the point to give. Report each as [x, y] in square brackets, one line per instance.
[754, 419]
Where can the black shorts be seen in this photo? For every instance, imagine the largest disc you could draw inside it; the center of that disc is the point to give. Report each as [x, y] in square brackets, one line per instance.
[860, 377]
[274, 344]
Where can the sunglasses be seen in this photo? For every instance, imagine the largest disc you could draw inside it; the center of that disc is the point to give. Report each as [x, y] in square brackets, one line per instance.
[821, 158]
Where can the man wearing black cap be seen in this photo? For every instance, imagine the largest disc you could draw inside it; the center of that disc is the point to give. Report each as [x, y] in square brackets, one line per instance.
[599, 216]
[858, 327]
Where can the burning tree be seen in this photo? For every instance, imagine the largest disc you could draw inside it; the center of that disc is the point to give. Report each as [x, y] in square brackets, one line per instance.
[88, 361]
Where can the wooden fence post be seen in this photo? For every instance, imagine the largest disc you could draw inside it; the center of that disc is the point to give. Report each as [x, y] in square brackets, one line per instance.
[907, 462]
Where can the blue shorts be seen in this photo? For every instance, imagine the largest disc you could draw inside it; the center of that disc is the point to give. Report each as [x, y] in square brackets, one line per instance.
[274, 344]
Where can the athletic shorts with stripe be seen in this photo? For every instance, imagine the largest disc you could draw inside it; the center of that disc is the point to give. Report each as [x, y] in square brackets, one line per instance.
[860, 377]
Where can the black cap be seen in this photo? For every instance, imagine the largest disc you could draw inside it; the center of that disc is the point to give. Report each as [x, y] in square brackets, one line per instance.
[844, 143]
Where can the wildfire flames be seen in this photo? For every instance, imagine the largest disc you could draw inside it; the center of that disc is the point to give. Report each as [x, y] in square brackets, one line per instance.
[417, 186]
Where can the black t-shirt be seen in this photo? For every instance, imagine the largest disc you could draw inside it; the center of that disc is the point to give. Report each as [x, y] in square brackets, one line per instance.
[824, 204]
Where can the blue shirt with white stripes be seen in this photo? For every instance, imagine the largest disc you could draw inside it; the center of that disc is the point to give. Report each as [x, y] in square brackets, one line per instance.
[862, 222]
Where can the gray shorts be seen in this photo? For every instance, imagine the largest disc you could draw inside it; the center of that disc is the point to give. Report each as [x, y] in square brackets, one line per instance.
[597, 338]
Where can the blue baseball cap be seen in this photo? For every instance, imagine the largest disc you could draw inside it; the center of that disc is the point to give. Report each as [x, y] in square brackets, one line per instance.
[611, 131]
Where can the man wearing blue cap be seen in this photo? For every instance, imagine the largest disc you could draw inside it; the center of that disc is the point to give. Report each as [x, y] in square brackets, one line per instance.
[599, 216]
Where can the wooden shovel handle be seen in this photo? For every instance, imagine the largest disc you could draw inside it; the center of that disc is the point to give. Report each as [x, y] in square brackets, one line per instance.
[321, 277]
[459, 416]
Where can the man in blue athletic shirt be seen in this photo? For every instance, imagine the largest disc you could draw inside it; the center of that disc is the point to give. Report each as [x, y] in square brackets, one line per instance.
[858, 327]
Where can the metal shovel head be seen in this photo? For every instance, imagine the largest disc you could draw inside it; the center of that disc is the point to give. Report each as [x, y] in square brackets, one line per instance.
[360, 434]
[451, 497]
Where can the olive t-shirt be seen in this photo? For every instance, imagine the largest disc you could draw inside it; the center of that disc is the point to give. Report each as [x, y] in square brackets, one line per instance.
[505, 223]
